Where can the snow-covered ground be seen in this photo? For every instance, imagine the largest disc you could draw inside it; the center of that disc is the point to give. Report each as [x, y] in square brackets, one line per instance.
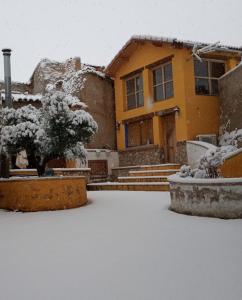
[122, 246]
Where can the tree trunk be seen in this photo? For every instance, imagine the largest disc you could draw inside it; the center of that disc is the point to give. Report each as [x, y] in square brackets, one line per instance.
[36, 162]
[4, 166]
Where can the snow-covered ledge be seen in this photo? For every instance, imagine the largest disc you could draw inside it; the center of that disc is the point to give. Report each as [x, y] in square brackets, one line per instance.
[195, 150]
[220, 197]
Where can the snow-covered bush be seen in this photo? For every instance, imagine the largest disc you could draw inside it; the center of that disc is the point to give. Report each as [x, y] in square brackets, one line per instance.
[58, 130]
[209, 163]
[230, 138]
[185, 171]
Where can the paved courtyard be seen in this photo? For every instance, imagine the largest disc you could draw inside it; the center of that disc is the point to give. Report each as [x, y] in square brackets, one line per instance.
[122, 246]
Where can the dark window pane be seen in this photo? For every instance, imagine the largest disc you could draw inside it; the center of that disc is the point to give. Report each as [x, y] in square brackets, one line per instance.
[217, 69]
[140, 99]
[131, 101]
[157, 76]
[169, 89]
[202, 86]
[130, 86]
[201, 68]
[139, 83]
[214, 87]
[158, 93]
[168, 72]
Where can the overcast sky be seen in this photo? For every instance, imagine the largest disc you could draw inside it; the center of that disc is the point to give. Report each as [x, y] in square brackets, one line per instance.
[96, 29]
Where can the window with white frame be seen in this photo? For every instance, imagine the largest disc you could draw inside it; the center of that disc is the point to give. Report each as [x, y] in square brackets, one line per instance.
[207, 73]
[134, 91]
[163, 82]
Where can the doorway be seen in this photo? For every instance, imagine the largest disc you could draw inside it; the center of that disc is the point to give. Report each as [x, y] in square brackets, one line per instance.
[169, 137]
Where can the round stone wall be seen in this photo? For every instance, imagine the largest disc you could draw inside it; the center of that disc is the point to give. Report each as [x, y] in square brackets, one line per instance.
[221, 198]
[47, 193]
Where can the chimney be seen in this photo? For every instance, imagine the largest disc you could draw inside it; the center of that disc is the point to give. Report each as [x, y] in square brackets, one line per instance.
[7, 77]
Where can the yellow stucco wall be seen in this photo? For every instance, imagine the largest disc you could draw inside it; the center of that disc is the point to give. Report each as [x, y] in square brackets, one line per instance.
[198, 114]
[37, 194]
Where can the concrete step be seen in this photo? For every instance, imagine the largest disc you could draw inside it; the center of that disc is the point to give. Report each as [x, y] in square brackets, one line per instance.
[169, 166]
[129, 186]
[149, 173]
[142, 179]
[98, 178]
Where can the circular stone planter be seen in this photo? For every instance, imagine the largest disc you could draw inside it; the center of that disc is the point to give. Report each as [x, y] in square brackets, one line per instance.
[221, 197]
[45, 193]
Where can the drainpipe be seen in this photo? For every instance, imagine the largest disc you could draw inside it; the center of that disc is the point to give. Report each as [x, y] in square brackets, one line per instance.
[7, 77]
[4, 160]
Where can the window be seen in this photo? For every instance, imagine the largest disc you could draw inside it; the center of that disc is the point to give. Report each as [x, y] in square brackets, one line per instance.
[207, 73]
[163, 82]
[134, 92]
[140, 133]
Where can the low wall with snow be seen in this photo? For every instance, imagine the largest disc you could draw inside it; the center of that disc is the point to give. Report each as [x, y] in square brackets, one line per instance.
[195, 150]
[47, 193]
[221, 198]
[57, 172]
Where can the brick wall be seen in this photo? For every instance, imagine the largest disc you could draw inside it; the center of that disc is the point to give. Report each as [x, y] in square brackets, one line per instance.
[149, 155]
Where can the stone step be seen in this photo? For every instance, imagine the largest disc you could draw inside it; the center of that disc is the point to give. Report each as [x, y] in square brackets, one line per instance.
[142, 179]
[169, 166]
[98, 178]
[166, 172]
[129, 186]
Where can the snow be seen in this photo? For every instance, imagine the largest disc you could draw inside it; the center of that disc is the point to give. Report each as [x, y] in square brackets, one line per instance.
[145, 177]
[177, 178]
[122, 246]
[31, 178]
[23, 97]
[144, 166]
[155, 171]
[203, 144]
[230, 138]
[127, 183]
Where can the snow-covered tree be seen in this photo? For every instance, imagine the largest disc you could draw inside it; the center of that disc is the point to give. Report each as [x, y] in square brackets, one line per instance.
[58, 130]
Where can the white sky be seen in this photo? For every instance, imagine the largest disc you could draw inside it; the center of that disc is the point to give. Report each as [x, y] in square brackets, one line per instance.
[96, 29]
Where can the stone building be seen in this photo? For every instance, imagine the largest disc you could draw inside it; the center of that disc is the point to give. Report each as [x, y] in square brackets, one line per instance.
[91, 85]
[230, 89]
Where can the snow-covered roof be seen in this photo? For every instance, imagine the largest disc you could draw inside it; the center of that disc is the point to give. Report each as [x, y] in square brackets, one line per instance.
[52, 70]
[22, 97]
[127, 49]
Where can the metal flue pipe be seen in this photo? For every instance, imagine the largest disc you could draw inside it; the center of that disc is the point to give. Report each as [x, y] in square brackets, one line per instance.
[7, 77]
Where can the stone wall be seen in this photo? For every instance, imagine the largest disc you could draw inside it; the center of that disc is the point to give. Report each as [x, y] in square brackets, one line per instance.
[181, 153]
[220, 197]
[230, 90]
[143, 155]
[98, 94]
[91, 87]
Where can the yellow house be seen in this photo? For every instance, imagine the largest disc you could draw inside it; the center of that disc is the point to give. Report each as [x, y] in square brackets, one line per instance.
[165, 95]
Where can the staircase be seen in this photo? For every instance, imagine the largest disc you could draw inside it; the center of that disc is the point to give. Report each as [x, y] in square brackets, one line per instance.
[144, 178]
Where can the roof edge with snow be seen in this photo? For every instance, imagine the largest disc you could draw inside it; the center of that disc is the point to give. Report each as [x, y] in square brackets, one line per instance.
[135, 39]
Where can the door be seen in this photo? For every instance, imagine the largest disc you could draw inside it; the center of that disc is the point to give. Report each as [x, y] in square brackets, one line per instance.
[169, 129]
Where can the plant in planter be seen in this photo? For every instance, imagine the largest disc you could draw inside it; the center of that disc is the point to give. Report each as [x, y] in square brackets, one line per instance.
[203, 191]
[209, 163]
[58, 130]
